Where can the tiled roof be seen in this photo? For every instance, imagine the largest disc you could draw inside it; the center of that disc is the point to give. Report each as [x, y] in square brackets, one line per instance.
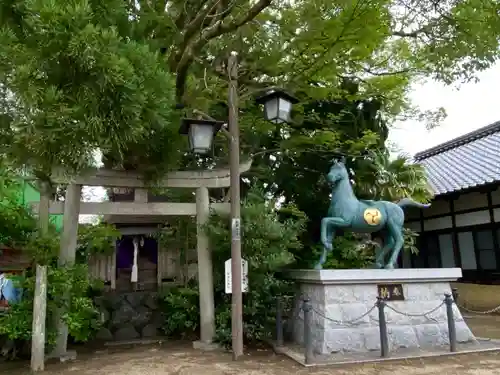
[464, 162]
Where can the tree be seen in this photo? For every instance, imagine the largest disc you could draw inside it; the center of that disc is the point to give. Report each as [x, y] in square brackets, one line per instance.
[267, 246]
[300, 155]
[20, 231]
[73, 82]
[107, 70]
[16, 221]
[366, 52]
[386, 44]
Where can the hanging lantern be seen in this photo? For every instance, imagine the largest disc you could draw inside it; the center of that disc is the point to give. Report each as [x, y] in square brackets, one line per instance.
[277, 106]
[200, 133]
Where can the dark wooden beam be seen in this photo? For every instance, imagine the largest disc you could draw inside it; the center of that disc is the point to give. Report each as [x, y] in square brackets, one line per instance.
[454, 236]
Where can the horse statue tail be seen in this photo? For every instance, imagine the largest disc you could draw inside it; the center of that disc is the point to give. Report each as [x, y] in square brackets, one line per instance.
[410, 202]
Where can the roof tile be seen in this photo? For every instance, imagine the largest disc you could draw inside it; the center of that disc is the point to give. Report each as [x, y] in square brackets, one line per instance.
[468, 161]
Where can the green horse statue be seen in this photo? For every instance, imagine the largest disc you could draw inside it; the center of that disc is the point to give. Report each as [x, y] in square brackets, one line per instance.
[346, 212]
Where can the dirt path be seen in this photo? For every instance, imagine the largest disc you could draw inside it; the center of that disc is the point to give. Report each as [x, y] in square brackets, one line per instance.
[181, 359]
[165, 360]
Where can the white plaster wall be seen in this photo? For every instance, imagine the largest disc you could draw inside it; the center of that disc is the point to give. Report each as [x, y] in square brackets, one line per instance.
[466, 247]
[472, 218]
[496, 215]
[468, 201]
[437, 223]
[446, 250]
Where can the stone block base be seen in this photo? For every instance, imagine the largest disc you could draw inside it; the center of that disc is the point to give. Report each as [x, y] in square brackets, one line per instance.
[129, 316]
[340, 297]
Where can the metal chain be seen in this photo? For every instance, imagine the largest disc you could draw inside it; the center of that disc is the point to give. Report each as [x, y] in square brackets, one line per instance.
[342, 322]
[415, 315]
[479, 312]
[348, 322]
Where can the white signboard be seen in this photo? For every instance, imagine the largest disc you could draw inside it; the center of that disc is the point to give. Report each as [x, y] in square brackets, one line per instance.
[229, 276]
[236, 229]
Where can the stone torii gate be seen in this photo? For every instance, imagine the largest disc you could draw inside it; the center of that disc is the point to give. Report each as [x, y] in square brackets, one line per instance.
[71, 208]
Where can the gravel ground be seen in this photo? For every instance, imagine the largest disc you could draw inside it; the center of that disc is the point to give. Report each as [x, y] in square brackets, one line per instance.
[181, 359]
[172, 360]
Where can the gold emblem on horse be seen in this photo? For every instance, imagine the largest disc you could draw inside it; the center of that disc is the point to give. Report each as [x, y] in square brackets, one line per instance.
[372, 216]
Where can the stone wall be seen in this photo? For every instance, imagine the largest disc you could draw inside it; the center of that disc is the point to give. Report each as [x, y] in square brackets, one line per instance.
[128, 316]
[335, 305]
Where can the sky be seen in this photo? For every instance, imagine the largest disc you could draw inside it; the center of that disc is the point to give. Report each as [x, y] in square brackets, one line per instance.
[469, 106]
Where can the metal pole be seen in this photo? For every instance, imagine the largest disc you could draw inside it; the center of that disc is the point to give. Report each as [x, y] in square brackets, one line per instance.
[452, 333]
[234, 165]
[309, 353]
[384, 343]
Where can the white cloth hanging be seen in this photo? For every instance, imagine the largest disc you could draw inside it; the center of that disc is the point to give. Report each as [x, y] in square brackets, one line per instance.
[134, 274]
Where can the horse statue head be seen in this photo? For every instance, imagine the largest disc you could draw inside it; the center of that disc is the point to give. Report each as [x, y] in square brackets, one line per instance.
[337, 171]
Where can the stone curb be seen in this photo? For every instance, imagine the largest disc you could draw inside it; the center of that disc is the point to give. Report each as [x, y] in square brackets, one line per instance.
[298, 358]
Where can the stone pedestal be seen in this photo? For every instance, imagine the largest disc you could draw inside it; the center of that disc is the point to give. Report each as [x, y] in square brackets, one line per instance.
[340, 296]
[129, 316]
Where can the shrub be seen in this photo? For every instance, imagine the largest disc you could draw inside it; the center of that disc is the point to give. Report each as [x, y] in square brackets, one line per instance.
[78, 311]
[266, 245]
[181, 311]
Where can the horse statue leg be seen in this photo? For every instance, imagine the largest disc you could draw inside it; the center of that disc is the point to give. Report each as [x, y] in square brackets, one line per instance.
[388, 245]
[395, 226]
[328, 225]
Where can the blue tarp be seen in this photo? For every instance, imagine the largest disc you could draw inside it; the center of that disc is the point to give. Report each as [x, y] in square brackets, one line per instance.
[8, 290]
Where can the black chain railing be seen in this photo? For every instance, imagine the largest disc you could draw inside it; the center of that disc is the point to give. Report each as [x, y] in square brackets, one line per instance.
[308, 311]
[461, 306]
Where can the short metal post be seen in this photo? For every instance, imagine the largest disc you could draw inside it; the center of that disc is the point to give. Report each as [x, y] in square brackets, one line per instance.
[452, 333]
[307, 308]
[384, 342]
[279, 321]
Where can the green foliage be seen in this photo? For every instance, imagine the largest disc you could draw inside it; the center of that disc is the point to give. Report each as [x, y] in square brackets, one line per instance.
[74, 81]
[78, 311]
[68, 287]
[300, 156]
[410, 238]
[106, 70]
[352, 251]
[311, 46]
[266, 246]
[391, 179]
[42, 248]
[16, 221]
[181, 307]
[95, 240]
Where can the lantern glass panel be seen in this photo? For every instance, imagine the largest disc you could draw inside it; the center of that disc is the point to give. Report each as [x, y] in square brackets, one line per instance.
[201, 137]
[278, 110]
[285, 108]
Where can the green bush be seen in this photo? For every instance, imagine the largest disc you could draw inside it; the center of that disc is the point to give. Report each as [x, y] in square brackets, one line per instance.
[266, 245]
[181, 311]
[97, 239]
[68, 287]
[78, 311]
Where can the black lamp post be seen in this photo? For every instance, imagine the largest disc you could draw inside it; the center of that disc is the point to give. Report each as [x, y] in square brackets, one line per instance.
[277, 109]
